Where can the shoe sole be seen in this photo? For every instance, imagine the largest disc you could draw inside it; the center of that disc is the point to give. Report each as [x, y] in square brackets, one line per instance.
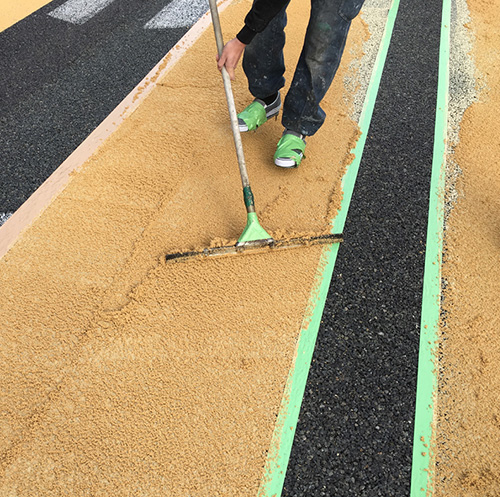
[286, 163]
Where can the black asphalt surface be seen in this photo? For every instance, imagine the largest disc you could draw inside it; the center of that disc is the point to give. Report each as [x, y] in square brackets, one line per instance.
[354, 438]
[355, 431]
[58, 81]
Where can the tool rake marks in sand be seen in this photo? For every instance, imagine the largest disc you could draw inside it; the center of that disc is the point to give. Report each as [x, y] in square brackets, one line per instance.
[254, 237]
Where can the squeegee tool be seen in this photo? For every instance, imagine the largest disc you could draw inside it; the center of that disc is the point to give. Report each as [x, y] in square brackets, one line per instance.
[257, 246]
[254, 237]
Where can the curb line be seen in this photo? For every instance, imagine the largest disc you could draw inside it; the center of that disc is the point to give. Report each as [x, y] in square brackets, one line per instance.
[423, 460]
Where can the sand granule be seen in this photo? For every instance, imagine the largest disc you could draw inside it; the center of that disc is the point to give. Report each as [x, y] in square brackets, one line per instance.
[468, 416]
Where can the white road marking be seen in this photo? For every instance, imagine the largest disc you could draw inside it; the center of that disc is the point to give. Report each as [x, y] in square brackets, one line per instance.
[79, 11]
[178, 14]
[4, 216]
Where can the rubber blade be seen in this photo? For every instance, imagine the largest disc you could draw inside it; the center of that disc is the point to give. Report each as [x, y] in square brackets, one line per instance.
[258, 246]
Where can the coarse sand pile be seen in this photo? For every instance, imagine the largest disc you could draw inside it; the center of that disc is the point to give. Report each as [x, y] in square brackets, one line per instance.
[468, 417]
[123, 375]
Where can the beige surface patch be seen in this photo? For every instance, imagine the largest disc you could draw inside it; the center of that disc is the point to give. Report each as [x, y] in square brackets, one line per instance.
[468, 424]
[120, 374]
[12, 12]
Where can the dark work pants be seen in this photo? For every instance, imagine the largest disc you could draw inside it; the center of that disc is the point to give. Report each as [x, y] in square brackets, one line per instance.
[324, 44]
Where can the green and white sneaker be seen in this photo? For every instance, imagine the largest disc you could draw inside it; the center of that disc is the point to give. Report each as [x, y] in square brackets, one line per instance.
[290, 150]
[257, 113]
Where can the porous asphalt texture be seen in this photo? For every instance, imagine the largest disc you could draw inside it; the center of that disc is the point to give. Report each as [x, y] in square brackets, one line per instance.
[355, 431]
[59, 80]
[354, 438]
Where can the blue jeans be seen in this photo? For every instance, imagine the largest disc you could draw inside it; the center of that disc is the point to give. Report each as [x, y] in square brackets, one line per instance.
[324, 44]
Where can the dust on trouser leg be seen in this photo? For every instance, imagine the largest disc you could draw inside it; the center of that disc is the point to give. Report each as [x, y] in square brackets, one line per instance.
[263, 60]
[318, 63]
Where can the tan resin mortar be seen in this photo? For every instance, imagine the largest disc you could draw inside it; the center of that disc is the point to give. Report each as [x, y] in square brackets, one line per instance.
[122, 375]
[13, 12]
[468, 422]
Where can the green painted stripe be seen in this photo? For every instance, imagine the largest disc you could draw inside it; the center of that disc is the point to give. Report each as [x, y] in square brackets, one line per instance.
[423, 464]
[281, 444]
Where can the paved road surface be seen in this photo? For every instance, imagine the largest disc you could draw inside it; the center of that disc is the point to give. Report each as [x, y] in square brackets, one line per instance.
[62, 71]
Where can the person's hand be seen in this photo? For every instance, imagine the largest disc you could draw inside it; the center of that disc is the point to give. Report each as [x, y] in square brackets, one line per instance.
[230, 56]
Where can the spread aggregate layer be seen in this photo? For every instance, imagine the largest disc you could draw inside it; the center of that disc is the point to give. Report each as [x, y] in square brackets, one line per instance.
[468, 416]
[121, 374]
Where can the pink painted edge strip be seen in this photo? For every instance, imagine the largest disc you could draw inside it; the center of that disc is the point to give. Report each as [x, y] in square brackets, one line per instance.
[11, 230]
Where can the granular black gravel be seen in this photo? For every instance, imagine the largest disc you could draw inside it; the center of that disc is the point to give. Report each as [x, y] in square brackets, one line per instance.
[355, 431]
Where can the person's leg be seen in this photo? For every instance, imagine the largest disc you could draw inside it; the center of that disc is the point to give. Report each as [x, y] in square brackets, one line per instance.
[264, 67]
[263, 60]
[320, 58]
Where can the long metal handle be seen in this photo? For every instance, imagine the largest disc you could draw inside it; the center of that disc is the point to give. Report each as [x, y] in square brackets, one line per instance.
[232, 110]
